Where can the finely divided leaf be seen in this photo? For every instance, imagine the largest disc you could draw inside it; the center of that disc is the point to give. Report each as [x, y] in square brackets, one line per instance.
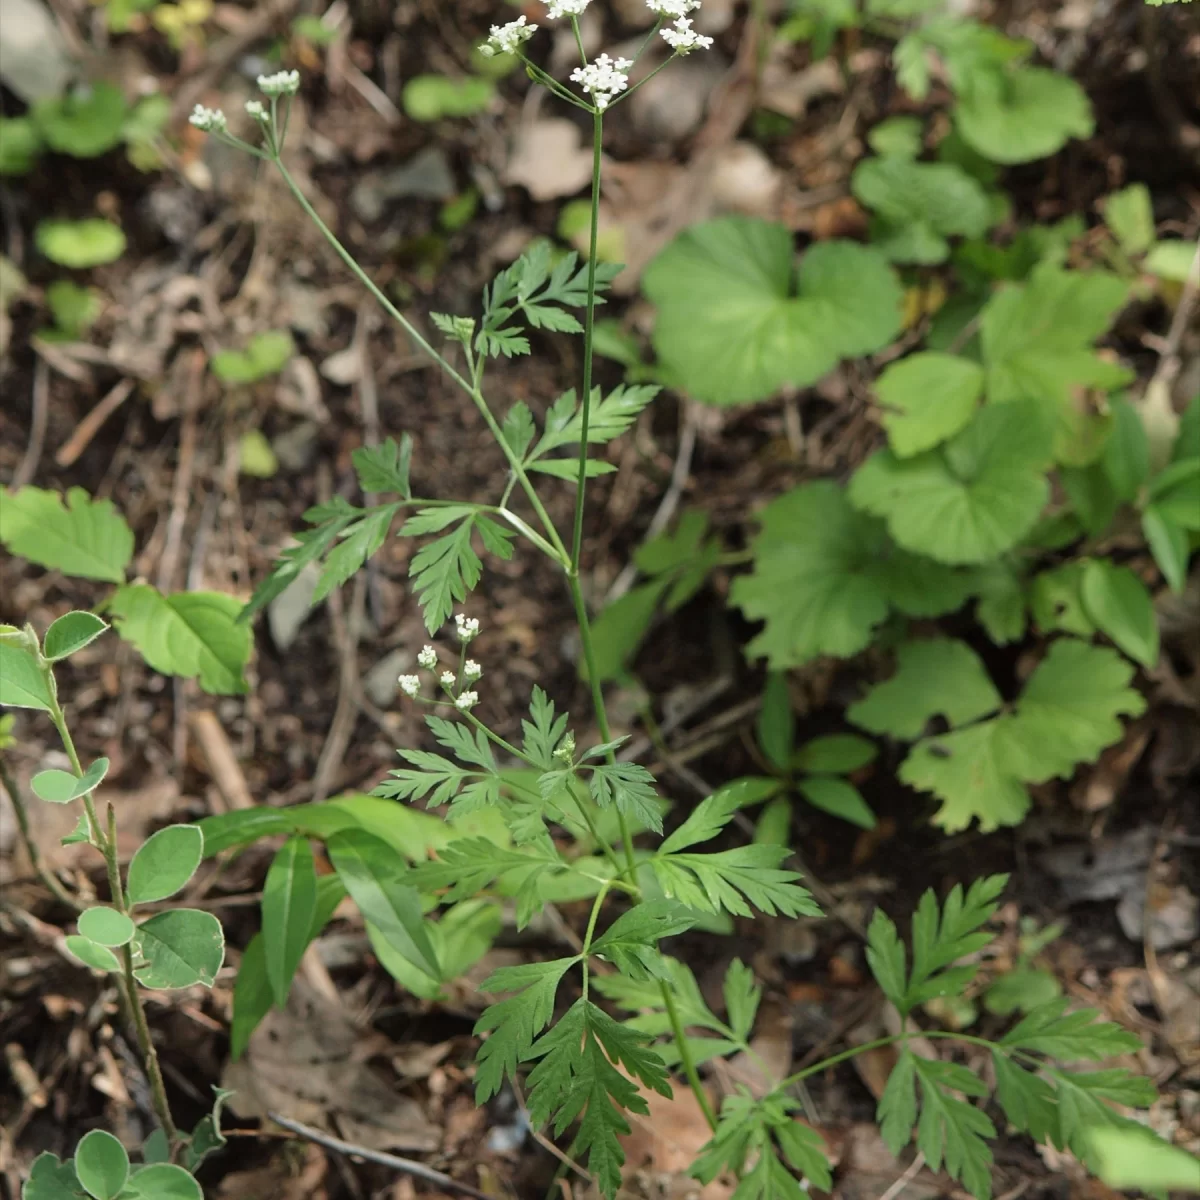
[385, 468]
[630, 789]
[543, 731]
[631, 942]
[1054, 1031]
[732, 880]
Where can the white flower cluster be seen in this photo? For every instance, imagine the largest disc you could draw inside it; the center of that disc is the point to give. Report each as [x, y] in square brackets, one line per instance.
[446, 679]
[603, 79]
[282, 83]
[471, 670]
[210, 120]
[683, 38]
[672, 8]
[466, 629]
[427, 658]
[507, 39]
[565, 8]
[410, 685]
[258, 111]
[466, 701]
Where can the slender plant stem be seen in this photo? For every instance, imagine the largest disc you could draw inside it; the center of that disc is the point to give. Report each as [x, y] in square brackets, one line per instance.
[588, 327]
[685, 1057]
[414, 334]
[590, 933]
[35, 857]
[107, 845]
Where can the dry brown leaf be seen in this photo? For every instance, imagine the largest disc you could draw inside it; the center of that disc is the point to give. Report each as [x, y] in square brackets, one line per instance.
[869, 1168]
[305, 1063]
[548, 159]
[279, 1179]
[666, 1142]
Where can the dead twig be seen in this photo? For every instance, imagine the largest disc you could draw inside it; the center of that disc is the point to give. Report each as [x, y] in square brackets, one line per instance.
[404, 1165]
[913, 1171]
[87, 429]
[222, 762]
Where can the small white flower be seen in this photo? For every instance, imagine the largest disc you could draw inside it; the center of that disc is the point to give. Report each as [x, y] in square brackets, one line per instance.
[466, 701]
[565, 8]
[258, 111]
[507, 39]
[603, 79]
[466, 629]
[410, 685]
[447, 678]
[683, 38]
[211, 120]
[282, 83]
[471, 670]
[672, 8]
[427, 658]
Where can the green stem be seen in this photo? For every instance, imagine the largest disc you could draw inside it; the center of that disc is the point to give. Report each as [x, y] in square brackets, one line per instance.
[588, 326]
[158, 1087]
[467, 385]
[685, 1057]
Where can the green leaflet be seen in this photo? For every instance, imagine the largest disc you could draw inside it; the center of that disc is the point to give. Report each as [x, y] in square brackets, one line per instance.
[86, 538]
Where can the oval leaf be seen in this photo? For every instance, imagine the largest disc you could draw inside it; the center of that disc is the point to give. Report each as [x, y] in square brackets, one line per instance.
[61, 787]
[101, 1164]
[165, 862]
[179, 948]
[289, 904]
[162, 1181]
[374, 876]
[80, 244]
[51, 1179]
[72, 631]
[839, 798]
[1120, 606]
[106, 926]
[837, 754]
[22, 684]
[251, 996]
[99, 958]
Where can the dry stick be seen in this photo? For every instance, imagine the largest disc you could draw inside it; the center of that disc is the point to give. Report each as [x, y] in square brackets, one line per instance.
[87, 429]
[35, 858]
[37, 425]
[404, 1165]
[913, 1171]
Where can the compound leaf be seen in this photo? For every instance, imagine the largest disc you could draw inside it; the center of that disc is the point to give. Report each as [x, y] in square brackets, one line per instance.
[385, 468]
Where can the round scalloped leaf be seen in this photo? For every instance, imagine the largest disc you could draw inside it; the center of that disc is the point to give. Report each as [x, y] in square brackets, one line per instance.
[83, 124]
[101, 1164]
[732, 327]
[80, 244]
[187, 633]
[969, 500]
[1020, 115]
[105, 926]
[179, 948]
[86, 538]
[938, 677]
[927, 398]
[164, 863]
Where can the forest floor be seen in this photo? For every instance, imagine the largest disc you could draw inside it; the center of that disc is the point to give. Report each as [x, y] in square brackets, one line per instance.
[218, 252]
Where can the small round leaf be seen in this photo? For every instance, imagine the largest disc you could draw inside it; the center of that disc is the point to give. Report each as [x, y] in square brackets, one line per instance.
[101, 1164]
[162, 1181]
[164, 863]
[72, 631]
[836, 754]
[80, 244]
[841, 799]
[180, 948]
[91, 954]
[106, 926]
[61, 787]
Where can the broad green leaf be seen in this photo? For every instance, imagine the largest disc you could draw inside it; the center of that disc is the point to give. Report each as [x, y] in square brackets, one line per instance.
[289, 904]
[1126, 459]
[460, 939]
[434, 97]
[1020, 990]
[776, 724]
[20, 145]
[85, 122]
[1171, 259]
[71, 632]
[86, 538]
[927, 398]
[935, 677]
[1130, 216]
[207, 1138]
[106, 926]
[897, 137]
[61, 787]
[252, 996]
[191, 634]
[22, 684]
[619, 629]
[179, 948]
[101, 1164]
[375, 876]
[92, 954]
[1168, 542]
[80, 244]
[1056, 600]
[1093, 498]
[1120, 606]
[969, 500]
[162, 1181]
[1175, 493]
[1133, 1159]
[51, 1179]
[1023, 114]
[937, 199]
[735, 324]
[838, 797]
[834, 754]
[164, 862]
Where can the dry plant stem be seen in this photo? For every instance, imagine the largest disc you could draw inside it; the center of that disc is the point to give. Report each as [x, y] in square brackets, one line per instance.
[35, 858]
[107, 845]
